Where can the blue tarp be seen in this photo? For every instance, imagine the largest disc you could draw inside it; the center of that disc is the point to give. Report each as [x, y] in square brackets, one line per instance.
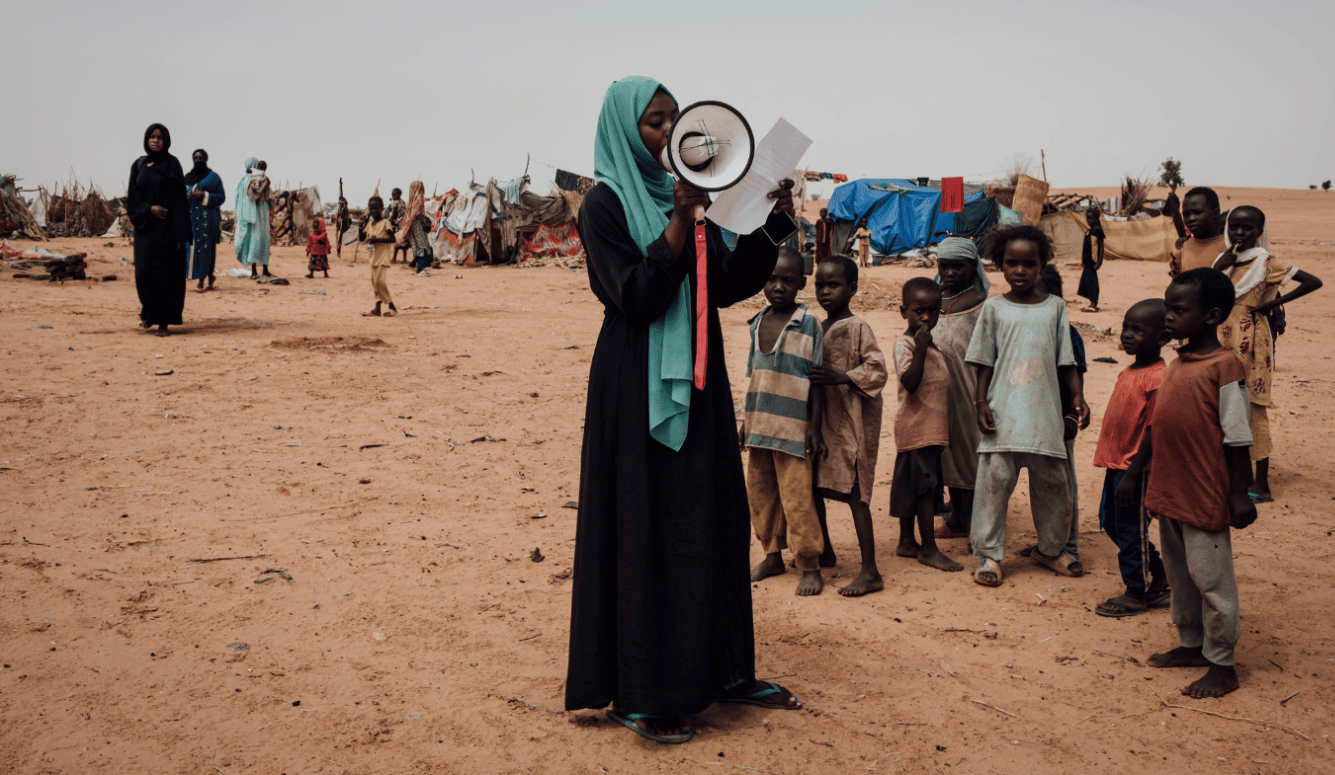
[901, 214]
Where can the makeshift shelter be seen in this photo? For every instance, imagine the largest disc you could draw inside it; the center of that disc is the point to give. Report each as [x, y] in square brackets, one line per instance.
[291, 213]
[15, 210]
[900, 214]
[1151, 239]
[502, 223]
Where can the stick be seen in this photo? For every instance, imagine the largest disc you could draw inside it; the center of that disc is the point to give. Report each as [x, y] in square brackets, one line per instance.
[316, 511]
[993, 707]
[729, 764]
[220, 559]
[1291, 696]
[1240, 718]
[32, 543]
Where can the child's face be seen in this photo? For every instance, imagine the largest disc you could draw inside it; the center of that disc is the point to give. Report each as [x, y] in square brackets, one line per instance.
[833, 290]
[1021, 265]
[1244, 229]
[1142, 331]
[1092, 218]
[1186, 314]
[784, 283]
[375, 208]
[956, 273]
[921, 309]
[1199, 216]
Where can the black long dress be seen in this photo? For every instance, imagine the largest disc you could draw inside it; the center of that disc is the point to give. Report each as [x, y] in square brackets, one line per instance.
[1089, 270]
[159, 264]
[661, 610]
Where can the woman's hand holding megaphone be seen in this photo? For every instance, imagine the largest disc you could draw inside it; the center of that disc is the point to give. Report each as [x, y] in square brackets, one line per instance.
[685, 199]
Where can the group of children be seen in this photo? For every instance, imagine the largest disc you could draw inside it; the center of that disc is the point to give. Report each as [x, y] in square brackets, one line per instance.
[990, 385]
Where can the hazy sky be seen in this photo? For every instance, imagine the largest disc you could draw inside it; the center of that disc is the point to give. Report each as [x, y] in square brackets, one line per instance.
[1241, 93]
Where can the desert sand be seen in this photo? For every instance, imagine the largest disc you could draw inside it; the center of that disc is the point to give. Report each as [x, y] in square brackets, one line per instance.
[402, 472]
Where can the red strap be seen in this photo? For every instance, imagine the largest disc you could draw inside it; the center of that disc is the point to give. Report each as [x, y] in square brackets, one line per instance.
[701, 305]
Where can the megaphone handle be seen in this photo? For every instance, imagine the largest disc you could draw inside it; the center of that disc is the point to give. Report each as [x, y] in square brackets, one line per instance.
[699, 214]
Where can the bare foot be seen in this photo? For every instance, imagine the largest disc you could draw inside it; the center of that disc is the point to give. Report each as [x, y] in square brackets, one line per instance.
[1217, 681]
[866, 583]
[907, 548]
[163, 331]
[939, 561]
[941, 529]
[1179, 657]
[810, 584]
[371, 314]
[772, 565]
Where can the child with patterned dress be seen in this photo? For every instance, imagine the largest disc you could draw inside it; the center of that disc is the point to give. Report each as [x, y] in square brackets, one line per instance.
[851, 376]
[1257, 277]
[317, 249]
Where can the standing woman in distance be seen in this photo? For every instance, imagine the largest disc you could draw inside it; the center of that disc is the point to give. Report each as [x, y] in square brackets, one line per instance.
[661, 622]
[156, 203]
[204, 190]
[252, 220]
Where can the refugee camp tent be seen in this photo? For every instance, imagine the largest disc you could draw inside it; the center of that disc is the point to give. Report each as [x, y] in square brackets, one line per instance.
[900, 214]
[1150, 239]
[506, 222]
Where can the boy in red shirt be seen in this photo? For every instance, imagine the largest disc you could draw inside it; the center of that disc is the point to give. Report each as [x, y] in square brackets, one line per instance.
[1199, 437]
[1124, 426]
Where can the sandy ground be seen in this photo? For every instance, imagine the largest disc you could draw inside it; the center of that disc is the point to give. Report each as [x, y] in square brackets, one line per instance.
[403, 471]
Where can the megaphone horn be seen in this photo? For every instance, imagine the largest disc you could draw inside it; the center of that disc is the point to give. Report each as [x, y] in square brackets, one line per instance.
[710, 146]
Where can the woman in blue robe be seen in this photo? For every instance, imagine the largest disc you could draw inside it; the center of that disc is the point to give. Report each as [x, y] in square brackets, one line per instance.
[252, 222]
[205, 193]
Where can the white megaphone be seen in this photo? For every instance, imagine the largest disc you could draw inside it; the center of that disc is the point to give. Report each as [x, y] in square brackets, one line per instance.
[710, 146]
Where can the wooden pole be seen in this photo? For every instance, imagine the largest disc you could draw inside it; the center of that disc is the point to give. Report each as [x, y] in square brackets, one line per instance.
[1043, 160]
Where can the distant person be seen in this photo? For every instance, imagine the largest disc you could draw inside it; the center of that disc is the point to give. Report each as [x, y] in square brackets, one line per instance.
[781, 430]
[204, 190]
[1201, 216]
[863, 237]
[394, 211]
[342, 222]
[375, 231]
[965, 285]
[922, 426]
[1023, 338]
[415, 228]
[317, 249]
[851, 376]
[1198, 485]
[1125, 423]
[1091, 260]
[1257, 277]
[157, 207]
[252, 219]
[824, 235]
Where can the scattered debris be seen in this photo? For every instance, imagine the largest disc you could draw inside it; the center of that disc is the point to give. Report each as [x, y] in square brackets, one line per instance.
[536, 555]
[221, 559]
[571, 505]
[237, 645]
[163, 373]
[1239, 718]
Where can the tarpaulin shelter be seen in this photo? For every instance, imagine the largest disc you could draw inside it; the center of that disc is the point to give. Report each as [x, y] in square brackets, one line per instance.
[900, 214]
[506, 222]
[1151, 239]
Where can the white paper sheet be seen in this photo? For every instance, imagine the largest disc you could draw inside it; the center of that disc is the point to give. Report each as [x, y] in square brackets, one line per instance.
[746, 206]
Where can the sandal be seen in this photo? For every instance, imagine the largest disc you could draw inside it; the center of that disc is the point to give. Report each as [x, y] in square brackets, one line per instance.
[1114, 608]
[988, 568]
[629, 719]
[1063, 564]
[758, 698]
[1260, 498]
[1158, 597]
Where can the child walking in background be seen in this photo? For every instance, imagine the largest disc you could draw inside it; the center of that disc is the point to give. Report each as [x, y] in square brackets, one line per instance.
[317, 249]
[781, 430]
[1124, 424]
[1020, 411]
[394, 211]
[1198, 489]
[922, 428]
[1257, 277]
[850, 377]
[964, 289]
[375, 231]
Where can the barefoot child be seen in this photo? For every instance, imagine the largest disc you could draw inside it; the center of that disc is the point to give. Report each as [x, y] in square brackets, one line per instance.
[964, 289]
[1257, 277]
[1020, 412]
[781, 429]
[922, 428]
[317, 249]
[1196, 440]
[1124, 424]
[851, 375]
[394, 211]
[375, 230]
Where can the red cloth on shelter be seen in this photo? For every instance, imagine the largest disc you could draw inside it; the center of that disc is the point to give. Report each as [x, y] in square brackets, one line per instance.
[952, 195]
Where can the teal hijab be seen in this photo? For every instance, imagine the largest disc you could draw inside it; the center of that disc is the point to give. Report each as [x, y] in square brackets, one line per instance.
[645, 189]
[246, 209]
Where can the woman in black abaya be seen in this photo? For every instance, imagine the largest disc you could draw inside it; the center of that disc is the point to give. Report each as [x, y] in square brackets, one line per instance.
[157, 208]
[661, 614]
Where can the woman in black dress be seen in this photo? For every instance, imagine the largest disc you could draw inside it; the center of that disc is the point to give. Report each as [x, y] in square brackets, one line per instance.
[157, 207]
[661, 614]
[1091, 261]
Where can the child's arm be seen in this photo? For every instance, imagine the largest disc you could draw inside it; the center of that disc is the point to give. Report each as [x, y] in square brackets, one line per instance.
[912, 376]
[1075, 388]
[1126, 489]
[1099, 263]
[1306, 284]
[815, 443]
[985, 422]
[1242, 509]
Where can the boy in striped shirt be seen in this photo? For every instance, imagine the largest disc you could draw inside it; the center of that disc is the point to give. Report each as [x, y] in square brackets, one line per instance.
[781, 427]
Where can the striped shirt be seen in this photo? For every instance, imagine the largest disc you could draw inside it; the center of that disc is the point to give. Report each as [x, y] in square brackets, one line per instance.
[776, 400]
